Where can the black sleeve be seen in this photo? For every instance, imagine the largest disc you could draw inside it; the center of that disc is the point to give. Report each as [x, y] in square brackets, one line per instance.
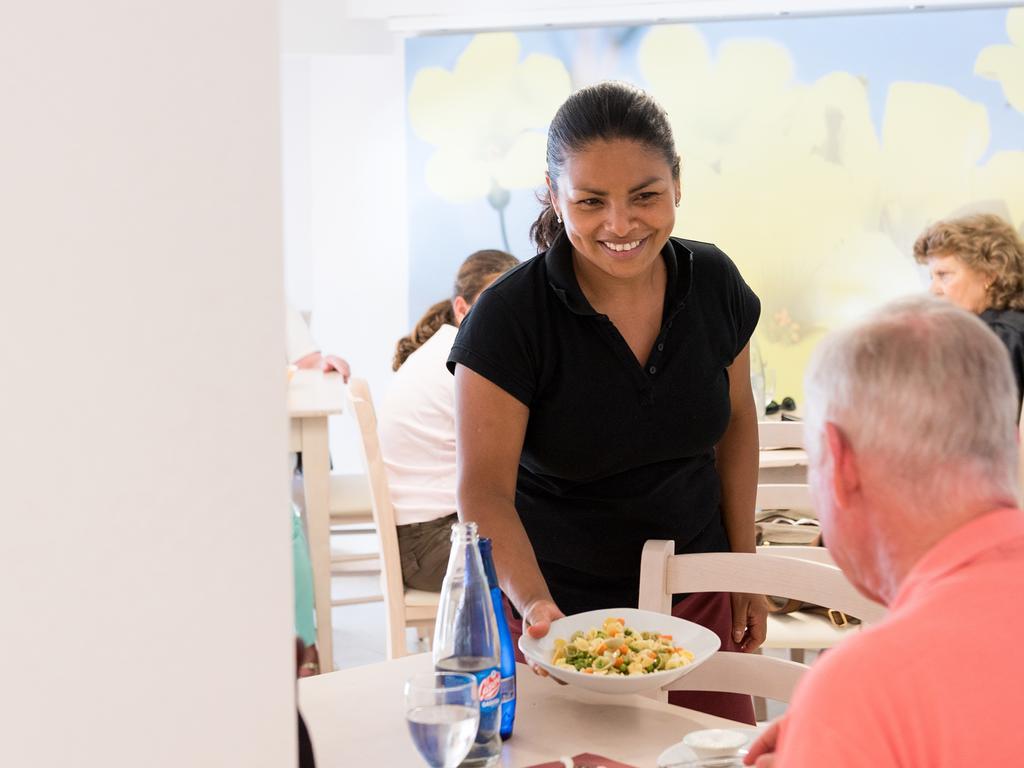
[742, 305]
[1014, 342]
[493, 342]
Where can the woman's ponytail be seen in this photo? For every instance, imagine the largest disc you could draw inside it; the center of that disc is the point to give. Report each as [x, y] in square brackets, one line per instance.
[433, 318]
[547, 227]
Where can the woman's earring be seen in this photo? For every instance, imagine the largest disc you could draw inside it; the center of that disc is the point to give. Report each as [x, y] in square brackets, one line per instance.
[677, 203]
[559, 218]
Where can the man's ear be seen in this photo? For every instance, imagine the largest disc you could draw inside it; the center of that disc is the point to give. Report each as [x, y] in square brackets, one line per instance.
[846, 482]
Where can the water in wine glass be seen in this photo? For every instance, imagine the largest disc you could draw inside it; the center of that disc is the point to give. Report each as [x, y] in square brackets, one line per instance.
[443, 713]
[443, 733]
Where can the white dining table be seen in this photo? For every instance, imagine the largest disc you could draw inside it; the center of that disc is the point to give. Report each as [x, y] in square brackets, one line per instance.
[314, 396]
[356, 717]
[777, 458]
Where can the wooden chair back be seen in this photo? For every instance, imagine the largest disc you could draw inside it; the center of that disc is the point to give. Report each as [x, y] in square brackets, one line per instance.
[787, 573]
[663, 574]
[750, 674]
[361, 406]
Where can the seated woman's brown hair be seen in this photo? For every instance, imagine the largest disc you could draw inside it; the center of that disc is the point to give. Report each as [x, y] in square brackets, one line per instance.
[476, 273]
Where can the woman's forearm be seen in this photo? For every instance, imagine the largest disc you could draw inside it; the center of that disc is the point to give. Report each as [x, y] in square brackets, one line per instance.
[737, 458]
[518, 572]
[490, 427]
[737, 466]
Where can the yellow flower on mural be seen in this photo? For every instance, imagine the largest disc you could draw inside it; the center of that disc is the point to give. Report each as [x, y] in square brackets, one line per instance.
[1005, 63]
[818, 207]
[801, 162]
[487, 117]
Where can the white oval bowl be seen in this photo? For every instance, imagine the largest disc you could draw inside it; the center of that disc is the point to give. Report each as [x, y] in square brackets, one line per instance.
[700, 641]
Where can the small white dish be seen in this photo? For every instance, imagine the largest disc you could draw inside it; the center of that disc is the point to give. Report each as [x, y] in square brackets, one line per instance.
[700, 641]
[715, 742]
[681, 754]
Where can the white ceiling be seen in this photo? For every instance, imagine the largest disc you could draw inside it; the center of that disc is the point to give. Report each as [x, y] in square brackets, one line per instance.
[371, 26]
[433, 16]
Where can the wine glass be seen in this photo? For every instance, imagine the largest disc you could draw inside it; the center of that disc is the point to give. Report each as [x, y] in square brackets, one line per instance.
[442, 710]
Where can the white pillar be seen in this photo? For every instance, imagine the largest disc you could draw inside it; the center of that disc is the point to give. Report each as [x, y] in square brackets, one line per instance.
[146, 595]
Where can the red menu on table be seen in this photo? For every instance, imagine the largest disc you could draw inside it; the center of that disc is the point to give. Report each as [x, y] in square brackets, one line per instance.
[586, 760]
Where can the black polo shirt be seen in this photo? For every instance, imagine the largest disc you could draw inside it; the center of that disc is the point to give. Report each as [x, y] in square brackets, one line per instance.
[1008, 325]
[615, 452]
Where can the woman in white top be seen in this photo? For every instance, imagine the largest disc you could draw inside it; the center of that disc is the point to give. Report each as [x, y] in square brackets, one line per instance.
[417, 426]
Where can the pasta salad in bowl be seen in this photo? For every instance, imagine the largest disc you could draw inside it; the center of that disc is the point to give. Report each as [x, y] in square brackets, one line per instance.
[620, 650]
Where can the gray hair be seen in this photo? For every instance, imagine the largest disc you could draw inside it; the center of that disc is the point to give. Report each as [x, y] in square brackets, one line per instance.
[925, 387]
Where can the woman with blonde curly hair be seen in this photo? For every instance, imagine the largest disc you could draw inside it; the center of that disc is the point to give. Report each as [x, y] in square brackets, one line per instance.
[417, 425]
[977, 262]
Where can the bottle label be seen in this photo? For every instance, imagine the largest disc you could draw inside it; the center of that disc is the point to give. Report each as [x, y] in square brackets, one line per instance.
[508, 689]
[490, 688]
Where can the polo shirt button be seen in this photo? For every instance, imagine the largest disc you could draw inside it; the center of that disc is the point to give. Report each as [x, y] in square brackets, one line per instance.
[652, 370]
[661, 347]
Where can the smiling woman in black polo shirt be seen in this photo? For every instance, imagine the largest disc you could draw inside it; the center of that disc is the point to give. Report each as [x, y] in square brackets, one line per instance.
[603, 391]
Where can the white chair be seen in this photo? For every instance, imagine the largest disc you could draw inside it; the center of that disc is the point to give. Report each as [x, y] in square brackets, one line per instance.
[350, 524]
[800, 631]
[351, 511]
[663, 574]
[750, 674]
[403, 607]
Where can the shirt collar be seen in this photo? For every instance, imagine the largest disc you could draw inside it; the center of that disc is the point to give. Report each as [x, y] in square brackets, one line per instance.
[562, 277]
[966, 543]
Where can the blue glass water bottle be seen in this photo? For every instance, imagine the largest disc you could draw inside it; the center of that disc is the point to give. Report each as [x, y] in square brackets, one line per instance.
[508, 654]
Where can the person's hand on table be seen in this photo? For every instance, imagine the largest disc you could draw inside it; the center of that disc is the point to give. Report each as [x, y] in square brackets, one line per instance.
[325, 363]
[309, 362]
[307, 662]
[749, 620]
[537, 620]
[335, 363]
[762, 752]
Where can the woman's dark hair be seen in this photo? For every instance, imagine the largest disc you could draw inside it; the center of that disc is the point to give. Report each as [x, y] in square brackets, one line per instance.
[473, 276]
[602, 112]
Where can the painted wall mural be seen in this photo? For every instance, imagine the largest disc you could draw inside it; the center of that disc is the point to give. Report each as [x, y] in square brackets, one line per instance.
[814, 150]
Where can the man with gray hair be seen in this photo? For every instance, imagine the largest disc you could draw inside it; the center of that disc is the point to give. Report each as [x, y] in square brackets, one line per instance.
[912, 438]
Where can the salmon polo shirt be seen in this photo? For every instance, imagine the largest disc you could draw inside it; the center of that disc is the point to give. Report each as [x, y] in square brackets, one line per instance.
[939, 682]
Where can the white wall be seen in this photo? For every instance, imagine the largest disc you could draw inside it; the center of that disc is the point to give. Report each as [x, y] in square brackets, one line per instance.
[297, 181]
[146, 589]
[344, 119]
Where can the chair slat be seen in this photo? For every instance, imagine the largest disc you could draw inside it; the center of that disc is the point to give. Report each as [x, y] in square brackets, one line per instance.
[749, 673]
[398, 616]
[765, 574]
